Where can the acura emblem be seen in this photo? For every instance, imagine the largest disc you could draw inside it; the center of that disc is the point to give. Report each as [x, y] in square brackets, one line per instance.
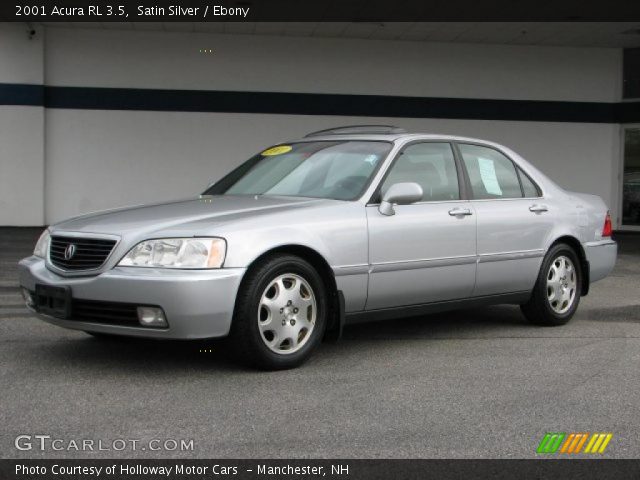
[70, 251]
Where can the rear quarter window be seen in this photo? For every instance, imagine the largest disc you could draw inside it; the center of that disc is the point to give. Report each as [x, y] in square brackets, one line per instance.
[529, 188]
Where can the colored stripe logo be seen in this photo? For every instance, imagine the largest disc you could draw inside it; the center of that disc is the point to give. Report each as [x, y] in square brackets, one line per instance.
[574, 443]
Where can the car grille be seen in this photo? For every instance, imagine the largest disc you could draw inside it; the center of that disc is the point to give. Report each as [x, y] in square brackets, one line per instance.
[90, 253]
[111, 313]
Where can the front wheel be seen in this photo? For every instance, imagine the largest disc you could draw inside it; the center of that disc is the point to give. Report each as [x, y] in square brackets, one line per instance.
[280, 313]
[556, 295]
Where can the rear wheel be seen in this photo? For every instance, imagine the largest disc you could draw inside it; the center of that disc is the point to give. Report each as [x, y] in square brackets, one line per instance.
[280, 313]
[556, 295]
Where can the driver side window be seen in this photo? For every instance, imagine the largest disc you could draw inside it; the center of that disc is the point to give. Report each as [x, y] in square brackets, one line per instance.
[430, 165]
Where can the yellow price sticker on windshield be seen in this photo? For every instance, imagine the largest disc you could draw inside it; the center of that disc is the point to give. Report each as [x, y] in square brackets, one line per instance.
[279, 150]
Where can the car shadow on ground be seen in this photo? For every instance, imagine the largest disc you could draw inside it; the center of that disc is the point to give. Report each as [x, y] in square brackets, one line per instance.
[131, 356]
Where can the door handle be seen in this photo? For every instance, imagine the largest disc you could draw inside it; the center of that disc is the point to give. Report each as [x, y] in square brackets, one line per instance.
[459, 211]
[538, 208]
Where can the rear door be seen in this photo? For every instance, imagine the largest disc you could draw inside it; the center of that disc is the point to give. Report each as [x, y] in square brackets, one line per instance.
[513, 221]
[426, 252]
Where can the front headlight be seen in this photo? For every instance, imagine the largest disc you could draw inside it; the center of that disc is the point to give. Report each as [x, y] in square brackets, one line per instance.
[177, 253]
[42, 245]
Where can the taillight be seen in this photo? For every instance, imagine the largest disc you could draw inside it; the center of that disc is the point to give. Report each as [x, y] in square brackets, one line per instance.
[607, 230]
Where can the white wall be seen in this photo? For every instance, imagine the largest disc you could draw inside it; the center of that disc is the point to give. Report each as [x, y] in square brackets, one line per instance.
[21, 131]
[323, 65]
[100, 159]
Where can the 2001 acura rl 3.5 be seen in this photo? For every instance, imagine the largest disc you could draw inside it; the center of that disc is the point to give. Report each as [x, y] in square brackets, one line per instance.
[353, 222]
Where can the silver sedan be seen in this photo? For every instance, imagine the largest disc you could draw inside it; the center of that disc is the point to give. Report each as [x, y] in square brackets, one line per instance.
[348, 224]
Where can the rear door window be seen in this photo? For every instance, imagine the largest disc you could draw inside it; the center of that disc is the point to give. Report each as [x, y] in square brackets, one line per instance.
[492, 174]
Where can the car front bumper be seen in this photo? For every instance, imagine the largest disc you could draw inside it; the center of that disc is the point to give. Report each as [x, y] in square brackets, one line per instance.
[196, 303]
[601, 256]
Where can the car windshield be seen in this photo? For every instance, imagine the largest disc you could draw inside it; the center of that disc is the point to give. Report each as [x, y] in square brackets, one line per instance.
[339, 170]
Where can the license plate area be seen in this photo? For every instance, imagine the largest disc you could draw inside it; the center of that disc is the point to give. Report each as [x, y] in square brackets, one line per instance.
[53, 301]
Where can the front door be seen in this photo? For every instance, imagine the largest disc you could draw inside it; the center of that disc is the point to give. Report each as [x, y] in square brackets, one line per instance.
[426, 251]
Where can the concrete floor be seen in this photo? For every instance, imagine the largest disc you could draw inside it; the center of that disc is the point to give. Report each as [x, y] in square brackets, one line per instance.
[475, 383]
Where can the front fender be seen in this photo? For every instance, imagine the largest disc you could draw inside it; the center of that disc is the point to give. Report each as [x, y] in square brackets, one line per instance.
[338, 233]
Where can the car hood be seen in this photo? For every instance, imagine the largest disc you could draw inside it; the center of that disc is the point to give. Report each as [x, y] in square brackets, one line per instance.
[203, 212]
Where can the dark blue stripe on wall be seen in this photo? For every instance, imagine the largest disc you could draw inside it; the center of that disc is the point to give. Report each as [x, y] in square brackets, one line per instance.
[316, 104]
[627, 112]
[21, 94]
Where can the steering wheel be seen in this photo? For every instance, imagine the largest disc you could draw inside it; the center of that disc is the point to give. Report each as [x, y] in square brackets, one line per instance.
[349, 186]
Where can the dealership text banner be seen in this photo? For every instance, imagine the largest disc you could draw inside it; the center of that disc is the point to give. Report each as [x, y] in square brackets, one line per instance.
[316, 469]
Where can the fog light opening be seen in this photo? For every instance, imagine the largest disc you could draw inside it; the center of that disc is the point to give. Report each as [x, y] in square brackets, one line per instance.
[151, 317]
[28, 298]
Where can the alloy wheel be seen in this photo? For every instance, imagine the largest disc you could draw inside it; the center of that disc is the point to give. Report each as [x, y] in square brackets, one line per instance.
[561, 284]
[287, 313]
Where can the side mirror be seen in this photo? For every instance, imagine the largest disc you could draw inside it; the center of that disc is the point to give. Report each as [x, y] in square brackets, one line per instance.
[400, 194]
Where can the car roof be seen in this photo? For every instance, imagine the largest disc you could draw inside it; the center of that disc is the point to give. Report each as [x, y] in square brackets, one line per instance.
[393, 137]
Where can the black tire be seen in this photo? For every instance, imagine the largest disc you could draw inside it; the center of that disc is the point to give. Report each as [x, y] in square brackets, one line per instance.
[246, 337]
[538, 310]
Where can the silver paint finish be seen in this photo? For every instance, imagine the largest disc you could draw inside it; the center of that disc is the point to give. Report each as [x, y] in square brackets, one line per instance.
[602, 258]
[403, 193]
[511, 244]
[421, 254]
[426, 252]
[197, 303]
